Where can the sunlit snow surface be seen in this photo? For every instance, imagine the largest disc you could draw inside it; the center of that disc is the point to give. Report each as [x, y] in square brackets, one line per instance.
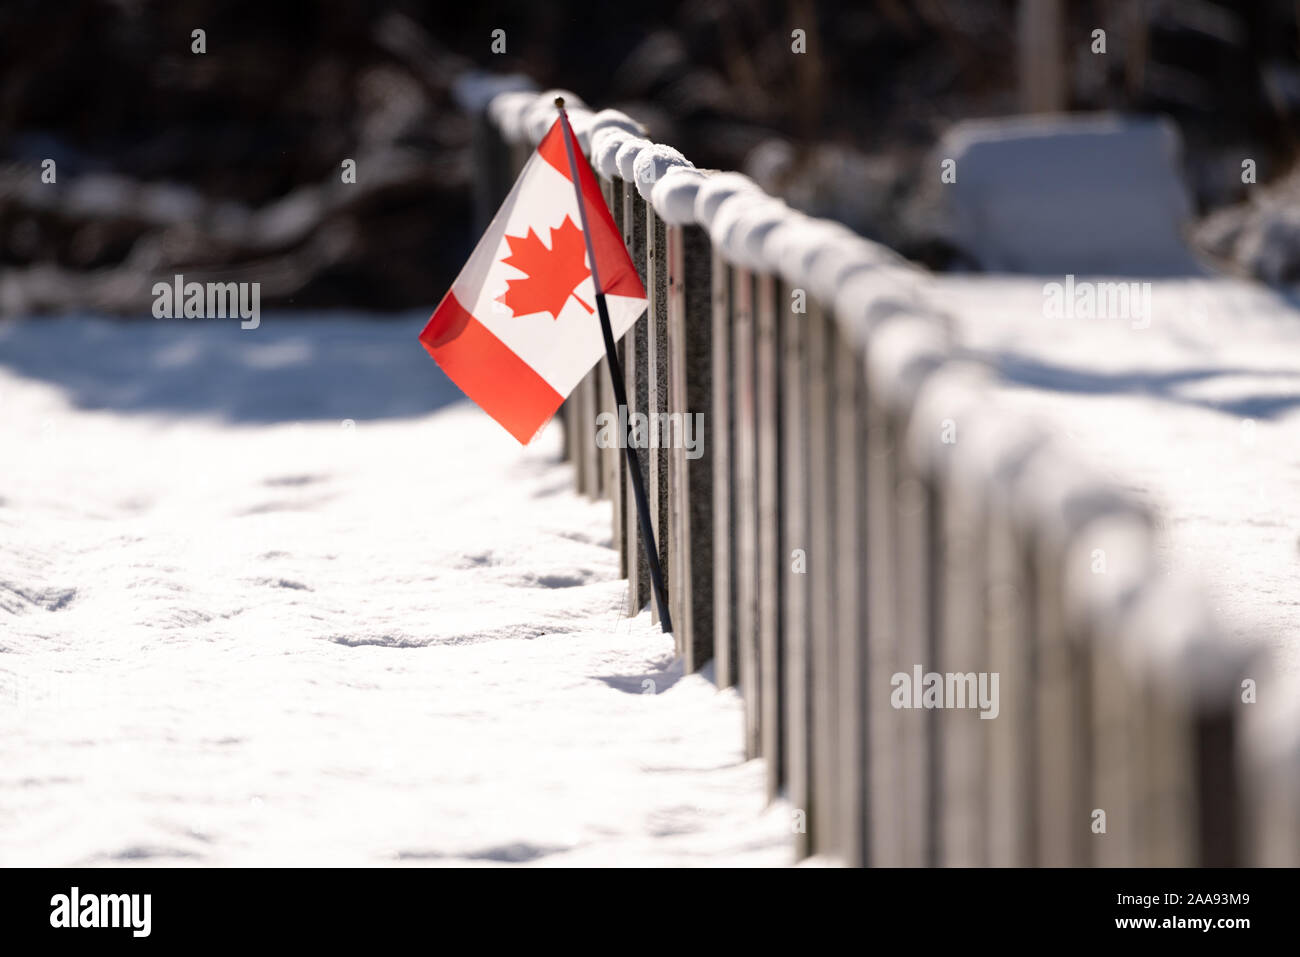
[237, 629]
[279, 596]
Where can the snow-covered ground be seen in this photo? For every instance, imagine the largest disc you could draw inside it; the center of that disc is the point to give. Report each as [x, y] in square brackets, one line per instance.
[1196, 410]
[280, 597]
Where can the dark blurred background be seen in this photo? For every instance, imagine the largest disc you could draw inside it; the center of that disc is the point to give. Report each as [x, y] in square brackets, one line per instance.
[226, 164]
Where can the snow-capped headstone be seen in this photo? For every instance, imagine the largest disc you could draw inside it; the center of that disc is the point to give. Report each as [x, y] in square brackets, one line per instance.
[506, 110]
[690, 348]
[636, 352]
[604, 120]
[769, 437]
[541, 113]
[476, 93]
[625, 158]
[652, 162]
[605, 144]
[742, 224]
[727, 225]
[822, 680]
[656, 264]
[1094, 194]
[714, 190]
[901, 355]
[674, 195]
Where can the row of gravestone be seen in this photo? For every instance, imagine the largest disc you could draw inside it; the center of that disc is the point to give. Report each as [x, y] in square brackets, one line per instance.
[953, 640]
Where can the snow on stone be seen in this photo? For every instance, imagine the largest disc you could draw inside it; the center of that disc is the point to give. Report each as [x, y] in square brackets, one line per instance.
[542, 113]
[605, 144]
[507, 111]
[714, 190]
[673, 195]
[625, 158]
[652, 162]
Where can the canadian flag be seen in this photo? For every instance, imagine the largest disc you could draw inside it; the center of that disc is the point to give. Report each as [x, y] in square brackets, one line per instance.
[518, 330]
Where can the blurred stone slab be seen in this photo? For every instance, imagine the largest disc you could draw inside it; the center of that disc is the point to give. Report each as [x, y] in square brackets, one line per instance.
[1093, 194]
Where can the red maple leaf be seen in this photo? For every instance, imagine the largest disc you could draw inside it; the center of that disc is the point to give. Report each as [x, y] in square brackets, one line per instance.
[553, 274]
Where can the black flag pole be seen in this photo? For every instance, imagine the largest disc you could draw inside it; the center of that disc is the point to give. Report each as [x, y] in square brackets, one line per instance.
[620, 393]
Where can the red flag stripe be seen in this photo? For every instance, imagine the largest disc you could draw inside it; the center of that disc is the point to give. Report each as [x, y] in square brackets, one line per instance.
[501, 383]
[617, 273]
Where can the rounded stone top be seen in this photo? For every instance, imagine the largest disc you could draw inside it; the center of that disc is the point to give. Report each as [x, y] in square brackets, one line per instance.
[626, 157]
[730, 214]
[841, 258]
[611, 119]
[948, 410]
[605, 144]
[1176, 647]
[673, 196]
[716, 189]
[580, 120]
[902, 354]
[651, 163]
[539, 116]
[778, 242]
[1095, 603]
[1058, 494]
[756, 221]
[800, 240]
[871, 296]
[506, 110]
